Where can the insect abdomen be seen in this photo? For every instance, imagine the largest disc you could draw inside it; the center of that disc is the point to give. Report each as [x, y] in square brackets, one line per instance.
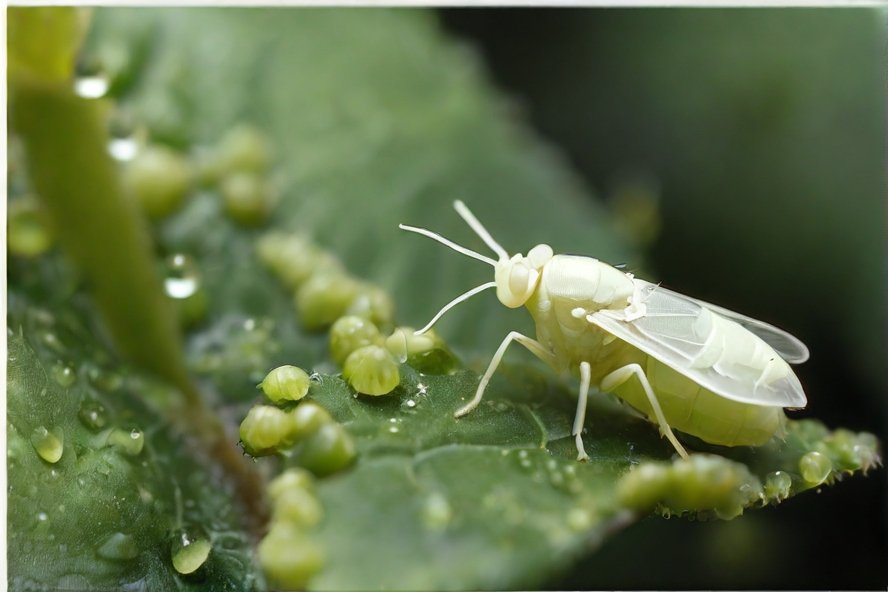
[694, 410]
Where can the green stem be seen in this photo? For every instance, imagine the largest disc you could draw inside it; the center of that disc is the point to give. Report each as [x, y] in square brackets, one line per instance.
[65, 139]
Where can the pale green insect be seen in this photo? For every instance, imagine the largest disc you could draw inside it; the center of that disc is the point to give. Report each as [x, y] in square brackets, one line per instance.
[700, 368]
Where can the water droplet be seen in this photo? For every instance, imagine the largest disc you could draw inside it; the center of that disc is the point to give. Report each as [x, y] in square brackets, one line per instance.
[250, 325]
[815, 467]
[48, 444]
[126, 137]
[410, 403]
[92, 414]
[189, 554]
[41, 516]
[436, 511]
[393, 429]
[91, 81]
[64, 374]
[579, 519]
[119, 547]
[51, 340]
[182, 279]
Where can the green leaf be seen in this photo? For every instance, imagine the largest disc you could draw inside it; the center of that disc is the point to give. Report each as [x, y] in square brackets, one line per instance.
[102, 489]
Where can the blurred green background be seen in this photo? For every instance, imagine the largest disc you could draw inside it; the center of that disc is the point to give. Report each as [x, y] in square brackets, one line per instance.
[761, 133]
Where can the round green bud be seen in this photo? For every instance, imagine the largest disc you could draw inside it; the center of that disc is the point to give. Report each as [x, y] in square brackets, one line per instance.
[373, 303]
[299, 507]
[159, 179]
[289, 558]
[293, 258]
[293, 478]
[350, 333]
[266, 430]
[243, 149]
[815, 467]
[324, 298]
[248, 198]
[329, 450]
[307, 419]
[28, 234]
[371, 370]
[285, 384]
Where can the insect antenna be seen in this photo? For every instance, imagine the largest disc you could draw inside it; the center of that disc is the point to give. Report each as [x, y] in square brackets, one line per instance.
[448, 243]
[479, 229]
[454, 302]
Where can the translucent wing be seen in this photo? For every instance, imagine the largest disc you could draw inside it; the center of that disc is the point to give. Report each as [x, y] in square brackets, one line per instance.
[714, 351]
[788, 346]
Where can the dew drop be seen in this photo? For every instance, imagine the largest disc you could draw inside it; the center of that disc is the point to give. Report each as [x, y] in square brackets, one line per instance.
[48, 444]
[579, 519]
[42, 517]
[64, 375]
[182, 279]
[410, 403]
[51, 340]
[189, 554]
[92, 415]
[815, 467]
[91, 81]
[777, 486]
[126, 138]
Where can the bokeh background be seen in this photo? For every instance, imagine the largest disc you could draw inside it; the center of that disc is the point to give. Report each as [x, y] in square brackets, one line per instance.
[760, 135]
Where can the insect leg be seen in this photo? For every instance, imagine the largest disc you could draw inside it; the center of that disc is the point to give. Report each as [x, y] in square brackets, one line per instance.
[580, 417]
[535, 347]
[621, 375]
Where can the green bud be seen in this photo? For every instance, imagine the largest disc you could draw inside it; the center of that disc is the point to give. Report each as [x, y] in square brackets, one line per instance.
[372, 371]
[289, 558]
[266, 430]
[159, 179]
[307, 419]
[329, 450]
[324, 298]
[293, 258]
[285, 384]
[293, 478]
[374, 303]
[350, 333]
[299, 507]
[243, 149]
[248, 198]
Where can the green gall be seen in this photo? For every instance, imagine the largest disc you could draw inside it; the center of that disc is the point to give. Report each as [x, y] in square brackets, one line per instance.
[307, 419]
[292, 478]
[28, 234]
[48, 443]
[701, 484]
[189, 554]
[329, 450]
[351, 333]
[92, 414]
[371, 370]
[297, 506]
[266, 430]
[289, 558]
[248, 198]
[815, 467]
[285, 384]
[159, 179]
[324, 298]
[374, 303]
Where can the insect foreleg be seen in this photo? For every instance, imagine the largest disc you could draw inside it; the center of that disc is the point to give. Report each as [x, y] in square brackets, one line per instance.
[621, 375]
[580, 417]
[535, 347]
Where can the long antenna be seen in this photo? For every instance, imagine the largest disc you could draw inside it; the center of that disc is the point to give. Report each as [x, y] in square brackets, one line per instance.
[479, 229]
[453, 303]
[449, 243]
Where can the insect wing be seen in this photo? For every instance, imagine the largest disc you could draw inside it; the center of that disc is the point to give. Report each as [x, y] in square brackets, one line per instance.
[788, 346]
[713, 351]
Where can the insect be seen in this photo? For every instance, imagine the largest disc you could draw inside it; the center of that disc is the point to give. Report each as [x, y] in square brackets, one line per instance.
[684, 363]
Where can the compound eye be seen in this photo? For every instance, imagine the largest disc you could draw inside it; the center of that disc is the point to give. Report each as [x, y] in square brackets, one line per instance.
[539, 256]
[519, 277]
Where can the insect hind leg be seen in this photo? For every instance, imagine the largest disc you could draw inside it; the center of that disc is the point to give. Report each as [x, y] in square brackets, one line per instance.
[621, 375]
[535, 347]
[580, 417]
